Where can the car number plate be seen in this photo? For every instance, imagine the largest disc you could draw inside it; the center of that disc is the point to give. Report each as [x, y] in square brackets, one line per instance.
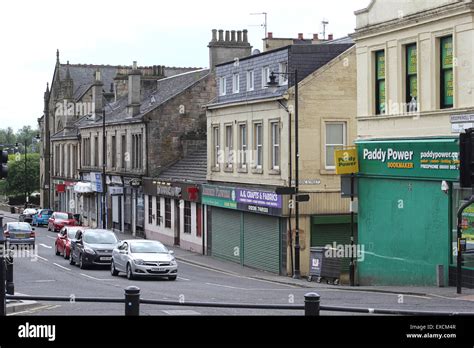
[19, 236]
[105, 259]
[158, 269]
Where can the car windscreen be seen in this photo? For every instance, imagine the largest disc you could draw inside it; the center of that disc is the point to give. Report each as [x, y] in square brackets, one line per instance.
[63, 216]
[147, 248]
[19, 226]
[100, 237]
[71, 234]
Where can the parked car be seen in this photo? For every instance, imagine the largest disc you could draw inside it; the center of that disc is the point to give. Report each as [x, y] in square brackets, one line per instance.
[92, 247]
[59, 220]
[42, 217]
[18, 233]
[27, 215]
[62, 245]
[144, 258]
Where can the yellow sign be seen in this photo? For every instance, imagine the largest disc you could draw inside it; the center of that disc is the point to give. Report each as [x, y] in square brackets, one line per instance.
[346, 161]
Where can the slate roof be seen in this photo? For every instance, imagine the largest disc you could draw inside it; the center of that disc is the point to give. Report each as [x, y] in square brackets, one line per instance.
[84, 76]
[192, 168]
[342, 40]
[165, 90]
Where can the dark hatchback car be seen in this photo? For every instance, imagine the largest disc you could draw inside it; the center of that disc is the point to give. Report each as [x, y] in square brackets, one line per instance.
[93, 248]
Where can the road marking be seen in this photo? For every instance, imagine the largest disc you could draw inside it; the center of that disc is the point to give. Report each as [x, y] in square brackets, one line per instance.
[42, 258]
[226, 286]
[35, 309]
[46, 246]
[44, 281]
[184, 279]
[91, 277]
[182, 312]
[67, 269]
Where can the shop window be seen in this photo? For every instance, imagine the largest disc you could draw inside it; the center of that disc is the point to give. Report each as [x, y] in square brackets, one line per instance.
[187, 217]
[167, 212]
[335, 138]
[380, 100]
[150, 210]
[446, 74]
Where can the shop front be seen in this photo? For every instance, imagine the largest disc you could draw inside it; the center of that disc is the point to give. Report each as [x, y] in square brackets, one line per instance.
[246, 226]
[405, 216]
[174, 214]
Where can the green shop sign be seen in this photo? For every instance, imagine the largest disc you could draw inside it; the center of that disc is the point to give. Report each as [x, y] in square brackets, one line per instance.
[436, 158]
[218, 196]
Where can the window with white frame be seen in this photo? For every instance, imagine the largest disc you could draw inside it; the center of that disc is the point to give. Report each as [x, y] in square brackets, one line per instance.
[283, 69]
[250, 80]
[187, 217]
[265, 76]
[258, 145]
[215, 147]
[335, 139]
[275, 143]
[223, 86]
[229, 146]
[243, 146]
[235, 83]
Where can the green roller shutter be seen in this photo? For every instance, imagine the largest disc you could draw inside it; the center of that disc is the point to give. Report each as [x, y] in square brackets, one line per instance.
[262, 242]
[226, 234]
[322, 235]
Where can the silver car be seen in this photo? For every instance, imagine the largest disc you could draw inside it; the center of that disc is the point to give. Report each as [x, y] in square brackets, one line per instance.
[143, 258]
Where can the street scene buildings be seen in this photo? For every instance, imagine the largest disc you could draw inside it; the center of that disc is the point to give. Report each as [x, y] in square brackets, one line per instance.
[239, 161]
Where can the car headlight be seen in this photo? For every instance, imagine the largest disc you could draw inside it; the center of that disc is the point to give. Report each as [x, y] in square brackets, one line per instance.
[173, 262]
[139, 262]
[89, 250]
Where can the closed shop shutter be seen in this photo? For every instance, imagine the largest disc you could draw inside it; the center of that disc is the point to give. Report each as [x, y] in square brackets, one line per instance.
[262, 242]
[226, 234]
[322, 235]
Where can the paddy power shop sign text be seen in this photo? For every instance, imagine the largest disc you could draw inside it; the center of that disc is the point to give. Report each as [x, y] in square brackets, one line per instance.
[433, 158]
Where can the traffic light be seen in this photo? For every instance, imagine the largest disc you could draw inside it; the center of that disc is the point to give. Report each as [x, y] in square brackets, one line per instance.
[466, 158]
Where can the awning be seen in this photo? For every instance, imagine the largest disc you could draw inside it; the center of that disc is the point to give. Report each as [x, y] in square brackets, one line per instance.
[83, 187]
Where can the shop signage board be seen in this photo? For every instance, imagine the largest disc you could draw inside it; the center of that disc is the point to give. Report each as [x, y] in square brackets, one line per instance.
[259, 198]
[422, 158]
[346, 161]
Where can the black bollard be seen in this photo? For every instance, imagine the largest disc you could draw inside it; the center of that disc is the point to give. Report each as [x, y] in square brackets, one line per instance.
[311, 304]
[132, 301]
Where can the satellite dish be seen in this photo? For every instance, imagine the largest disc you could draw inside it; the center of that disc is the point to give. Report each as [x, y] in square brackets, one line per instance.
[256, 51]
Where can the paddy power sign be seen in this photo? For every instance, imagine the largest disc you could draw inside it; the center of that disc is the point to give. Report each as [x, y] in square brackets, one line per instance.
[434, 158]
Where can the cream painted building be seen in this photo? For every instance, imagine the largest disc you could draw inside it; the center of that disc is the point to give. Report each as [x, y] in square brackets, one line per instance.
[249, 146]
[419, 31]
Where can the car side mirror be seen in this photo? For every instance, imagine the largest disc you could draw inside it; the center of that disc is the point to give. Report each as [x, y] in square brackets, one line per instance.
[171, 252]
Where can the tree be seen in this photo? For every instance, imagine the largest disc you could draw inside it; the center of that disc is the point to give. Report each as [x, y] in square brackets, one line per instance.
[7, 136]
[20, 182]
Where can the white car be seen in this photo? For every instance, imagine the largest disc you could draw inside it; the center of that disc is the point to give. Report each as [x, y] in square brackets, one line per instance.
[143, 258]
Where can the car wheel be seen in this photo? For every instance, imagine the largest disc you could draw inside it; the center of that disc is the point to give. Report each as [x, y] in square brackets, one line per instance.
[57, 251]
[65, 255]
[82, 265]
[130, 275]
[113, 271]
[172, 277]
[71, 260]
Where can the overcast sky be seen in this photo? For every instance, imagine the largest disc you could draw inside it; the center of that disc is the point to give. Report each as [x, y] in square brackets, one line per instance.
[171, 33]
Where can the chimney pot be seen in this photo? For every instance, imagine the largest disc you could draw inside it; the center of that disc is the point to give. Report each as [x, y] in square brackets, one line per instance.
[300, 36]
[134, 65]
[315, 37]
[227, 36]
[214, 35]
[239, 36]
[331, 37]
[245, 31]
[232, 36]
[270, 35]
[221, 35]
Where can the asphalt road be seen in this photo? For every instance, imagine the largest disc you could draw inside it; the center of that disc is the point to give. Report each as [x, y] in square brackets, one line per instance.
[51, 275]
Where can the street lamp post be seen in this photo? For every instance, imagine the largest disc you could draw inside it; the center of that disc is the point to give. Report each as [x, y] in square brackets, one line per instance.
[274, 85]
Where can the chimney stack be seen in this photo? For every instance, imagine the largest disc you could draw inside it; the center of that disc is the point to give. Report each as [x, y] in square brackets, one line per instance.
[270, 35]
[134, 91]
[300, 36]
[330, 37]
[315, 37]
[97, 97]
[235, 45]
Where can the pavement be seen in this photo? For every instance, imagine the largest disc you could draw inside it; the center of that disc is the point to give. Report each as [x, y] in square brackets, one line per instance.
[235, 272]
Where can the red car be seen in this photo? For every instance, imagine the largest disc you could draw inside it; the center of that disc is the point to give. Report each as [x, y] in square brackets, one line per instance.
[59, 220]
[62, 245]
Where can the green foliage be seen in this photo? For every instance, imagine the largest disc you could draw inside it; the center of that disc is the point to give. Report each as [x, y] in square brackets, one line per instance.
[28, 134]
[20, 180]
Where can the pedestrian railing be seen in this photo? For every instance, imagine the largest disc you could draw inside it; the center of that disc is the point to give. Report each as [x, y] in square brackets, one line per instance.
[311, 306]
